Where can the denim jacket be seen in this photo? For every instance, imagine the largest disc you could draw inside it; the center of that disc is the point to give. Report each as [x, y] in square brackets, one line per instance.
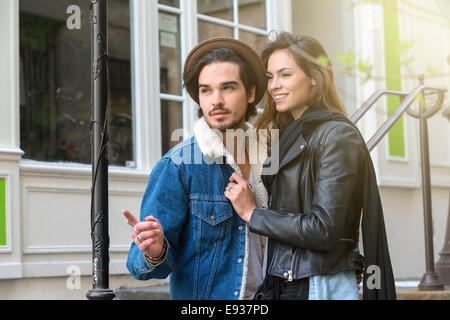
[207, 241]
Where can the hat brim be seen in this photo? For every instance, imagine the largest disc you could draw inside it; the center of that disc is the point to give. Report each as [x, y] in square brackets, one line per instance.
[244, 51]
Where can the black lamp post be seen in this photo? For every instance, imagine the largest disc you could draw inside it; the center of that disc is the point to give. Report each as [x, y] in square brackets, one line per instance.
[99, 140]
[430, 280]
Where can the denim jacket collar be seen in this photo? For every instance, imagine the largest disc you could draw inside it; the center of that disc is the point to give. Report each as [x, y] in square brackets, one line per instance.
[211, 145]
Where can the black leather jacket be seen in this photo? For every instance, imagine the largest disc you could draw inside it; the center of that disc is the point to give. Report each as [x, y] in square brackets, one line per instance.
[315, 205]
[324, 179]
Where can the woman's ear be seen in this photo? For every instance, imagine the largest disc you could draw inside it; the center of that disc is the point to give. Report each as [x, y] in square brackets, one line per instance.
[313, 82]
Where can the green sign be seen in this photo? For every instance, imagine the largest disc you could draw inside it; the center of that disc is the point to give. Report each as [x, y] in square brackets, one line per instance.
[393, 74]
[3, 212]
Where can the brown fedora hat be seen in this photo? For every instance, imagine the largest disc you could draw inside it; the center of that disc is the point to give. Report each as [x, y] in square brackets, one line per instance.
[245, 52]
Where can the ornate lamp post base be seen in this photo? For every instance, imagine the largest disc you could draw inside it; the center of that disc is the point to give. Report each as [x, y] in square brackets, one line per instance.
[100, 294]
[430, 282]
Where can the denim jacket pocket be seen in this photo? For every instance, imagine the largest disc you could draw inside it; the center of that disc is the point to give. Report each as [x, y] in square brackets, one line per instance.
[212, 212]
[212, 218]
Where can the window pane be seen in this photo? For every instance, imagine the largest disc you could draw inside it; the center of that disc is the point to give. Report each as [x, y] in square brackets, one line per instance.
[171, 120]
[208, 30]
[55, 81]
[172, 3]
[222, 9]
[255, 41]
[253, 13]
[169, 53]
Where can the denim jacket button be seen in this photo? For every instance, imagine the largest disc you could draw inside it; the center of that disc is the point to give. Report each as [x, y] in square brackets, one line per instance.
[236, 293]
[213, 217]
[239, 260]
[241, 227]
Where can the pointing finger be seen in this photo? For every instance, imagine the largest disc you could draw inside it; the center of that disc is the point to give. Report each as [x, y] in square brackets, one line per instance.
[130, 218]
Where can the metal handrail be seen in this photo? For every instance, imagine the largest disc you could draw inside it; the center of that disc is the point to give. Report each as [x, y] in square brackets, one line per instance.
[407, 100]
[372, 100]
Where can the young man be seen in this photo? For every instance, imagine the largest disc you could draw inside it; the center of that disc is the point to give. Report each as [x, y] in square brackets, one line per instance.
[188, 228]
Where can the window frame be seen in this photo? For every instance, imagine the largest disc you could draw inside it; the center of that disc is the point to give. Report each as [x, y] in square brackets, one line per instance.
[77, 168]
[145, 81]
[235, 23]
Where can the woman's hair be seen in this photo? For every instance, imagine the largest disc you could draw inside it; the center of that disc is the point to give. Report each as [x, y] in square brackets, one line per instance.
[190, 77]
[312, 58]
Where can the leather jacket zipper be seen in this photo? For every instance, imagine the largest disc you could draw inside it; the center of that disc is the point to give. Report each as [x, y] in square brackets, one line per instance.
[290, 272]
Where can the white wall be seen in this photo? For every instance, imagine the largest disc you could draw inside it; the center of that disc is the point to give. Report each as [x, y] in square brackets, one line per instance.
[332, 23]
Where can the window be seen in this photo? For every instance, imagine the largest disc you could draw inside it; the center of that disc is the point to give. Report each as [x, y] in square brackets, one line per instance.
[242, 19]
[55, 83]
[170, 68]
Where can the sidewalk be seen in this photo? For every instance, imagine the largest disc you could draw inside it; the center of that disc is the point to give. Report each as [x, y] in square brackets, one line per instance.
[408, 290]
[405, 291]
[415, 294]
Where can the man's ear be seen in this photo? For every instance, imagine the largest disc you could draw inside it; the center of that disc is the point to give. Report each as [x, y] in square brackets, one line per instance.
[252, 95]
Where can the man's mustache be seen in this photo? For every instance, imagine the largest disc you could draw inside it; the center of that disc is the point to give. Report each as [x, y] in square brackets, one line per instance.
[218, 109]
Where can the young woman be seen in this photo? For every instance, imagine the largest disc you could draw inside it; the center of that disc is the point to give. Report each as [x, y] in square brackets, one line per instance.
[324, 179]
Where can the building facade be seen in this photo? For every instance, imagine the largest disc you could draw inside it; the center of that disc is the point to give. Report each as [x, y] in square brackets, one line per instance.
[45, 171]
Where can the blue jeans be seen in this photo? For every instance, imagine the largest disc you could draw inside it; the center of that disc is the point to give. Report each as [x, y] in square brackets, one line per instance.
[339, 286]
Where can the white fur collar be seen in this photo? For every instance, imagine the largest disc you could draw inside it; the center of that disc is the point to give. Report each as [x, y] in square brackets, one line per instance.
[211, 145]
[210, 141]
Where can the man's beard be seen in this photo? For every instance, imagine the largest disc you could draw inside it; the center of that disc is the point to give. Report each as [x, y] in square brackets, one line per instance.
[222, 127]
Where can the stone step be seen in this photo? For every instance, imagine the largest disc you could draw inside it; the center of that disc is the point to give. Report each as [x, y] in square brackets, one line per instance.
[415, 294]
[158, 292]
[161, 292]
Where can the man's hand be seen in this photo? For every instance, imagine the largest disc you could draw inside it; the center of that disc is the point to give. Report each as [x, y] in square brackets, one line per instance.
[242, 196]
[148, 236]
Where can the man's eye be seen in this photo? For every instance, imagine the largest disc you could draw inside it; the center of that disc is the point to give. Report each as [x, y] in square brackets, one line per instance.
[204, 90]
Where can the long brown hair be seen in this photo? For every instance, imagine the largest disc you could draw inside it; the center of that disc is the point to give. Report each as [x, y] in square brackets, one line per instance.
[312, 58]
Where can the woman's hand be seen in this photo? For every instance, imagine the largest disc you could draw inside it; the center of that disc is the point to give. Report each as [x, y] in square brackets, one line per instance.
[242, 196]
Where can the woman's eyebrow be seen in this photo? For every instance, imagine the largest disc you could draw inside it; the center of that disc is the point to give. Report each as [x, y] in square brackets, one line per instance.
[284, 69]
[280, 71]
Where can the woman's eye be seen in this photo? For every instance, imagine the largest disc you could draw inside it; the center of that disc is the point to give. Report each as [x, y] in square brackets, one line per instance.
[285, 75]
